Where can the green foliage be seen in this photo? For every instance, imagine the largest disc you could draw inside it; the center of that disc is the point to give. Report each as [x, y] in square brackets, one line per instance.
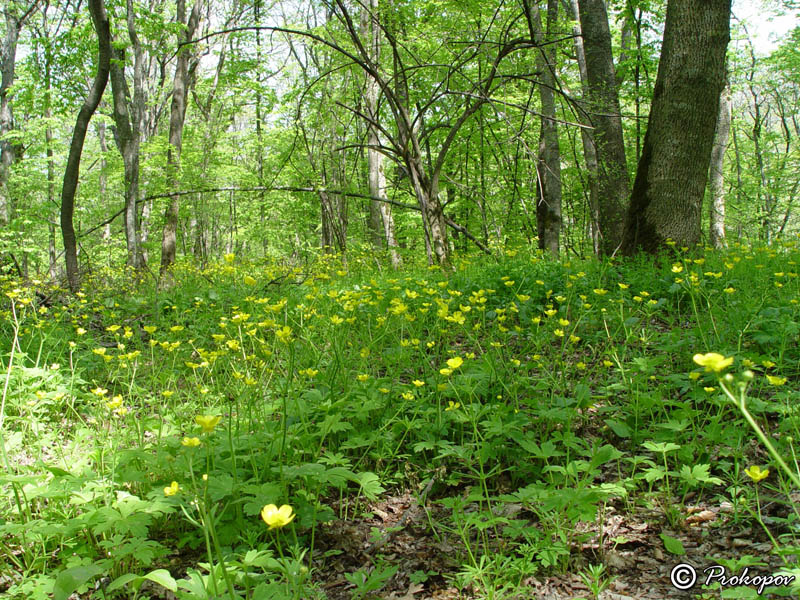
[532, 394]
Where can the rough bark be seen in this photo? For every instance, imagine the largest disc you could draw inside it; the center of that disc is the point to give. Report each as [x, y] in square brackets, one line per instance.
[716, 188]
[603, 107]
[671, 176]
[128, 118]
[72, 171]
[176, 119]
[548, 208]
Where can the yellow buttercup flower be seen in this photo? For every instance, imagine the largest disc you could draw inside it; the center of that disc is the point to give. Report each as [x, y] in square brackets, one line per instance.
[249, 280]
[191, 442]
[452, 405]
[455, 362]
[775, 380]
[713, 361]
[277, 517]
[207, 422]
[172, 489]
[756, 473]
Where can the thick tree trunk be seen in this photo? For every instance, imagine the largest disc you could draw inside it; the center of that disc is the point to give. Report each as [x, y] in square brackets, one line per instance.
[176, 119]
[671, 177]
[587, 139]
[548, 208]
[603, 107]
[715, 174]
[72, 171]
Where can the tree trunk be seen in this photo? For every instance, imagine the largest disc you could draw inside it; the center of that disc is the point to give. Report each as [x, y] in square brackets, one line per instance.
[176, 119]
[103, 179]
[671, 177]
[8, 151]
[715, 175]
[603, 108]
[381, 222]
[72, 171]
[589, 150]
[548, 208]
[127, 135]
[51, 166]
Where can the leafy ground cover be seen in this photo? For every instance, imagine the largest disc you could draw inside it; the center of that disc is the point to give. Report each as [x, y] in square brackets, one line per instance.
[517, 428]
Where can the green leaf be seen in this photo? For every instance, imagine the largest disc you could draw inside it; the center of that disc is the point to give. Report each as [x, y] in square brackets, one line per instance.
[163, 578]
[69, 580]
[672, 545]
[661, 447]
[370, 484]
[618, 427]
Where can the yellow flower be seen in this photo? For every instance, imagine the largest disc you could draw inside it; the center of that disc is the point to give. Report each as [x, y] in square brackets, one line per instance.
[452, 405]
[713, 361]
[249, 280]
[112, 328]
[407, 396]
[446, 371]
[284, 334]
[362, 377]
[775, 380]
[176, 328]
[677, 268]
[600, 291]
[98, 391]
[191, 442]
[277, 517]
[230, 257]
[207, 422]
[150, 329]
[756, 473]
[418, 383]
[80, 331]
[455, 362]
[172, 489]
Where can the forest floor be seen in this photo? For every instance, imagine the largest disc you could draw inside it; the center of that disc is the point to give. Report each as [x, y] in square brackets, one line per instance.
[518, 428]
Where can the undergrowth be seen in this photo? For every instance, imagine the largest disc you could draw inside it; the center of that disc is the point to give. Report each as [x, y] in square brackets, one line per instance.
[145, 432]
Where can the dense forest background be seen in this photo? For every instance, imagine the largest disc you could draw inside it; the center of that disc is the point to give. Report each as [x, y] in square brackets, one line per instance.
[277, 129]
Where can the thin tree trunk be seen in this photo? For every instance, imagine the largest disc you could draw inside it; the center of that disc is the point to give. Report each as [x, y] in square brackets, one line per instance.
[72, 171]
[589, 150]
[381, 222]
[8, 149]
[103, 179]
[51, 167]
[176, 119]
[671, 177]
[603, 106]
[128, 118]
[548, 209]
[715, 176]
